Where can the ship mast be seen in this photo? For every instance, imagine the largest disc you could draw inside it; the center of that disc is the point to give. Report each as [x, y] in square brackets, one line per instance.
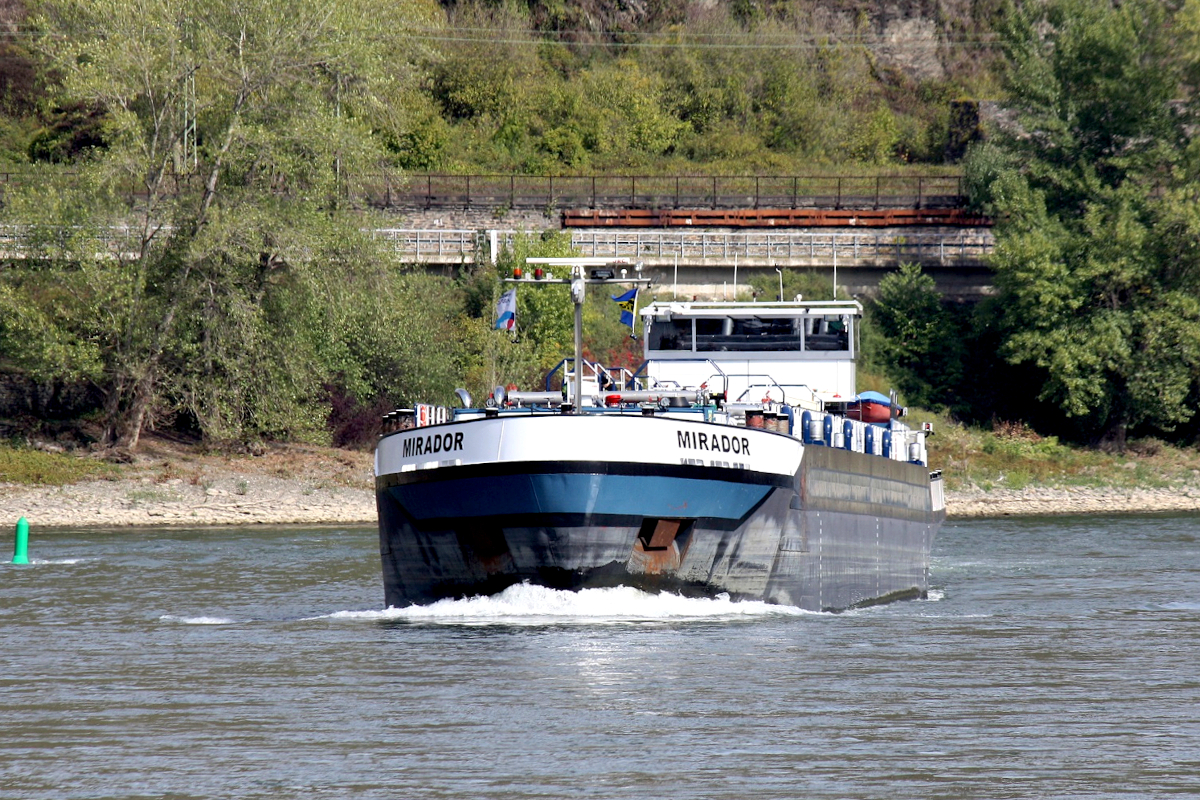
[583, 271]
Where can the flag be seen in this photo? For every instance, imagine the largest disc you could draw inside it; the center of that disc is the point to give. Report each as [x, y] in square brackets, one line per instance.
[506, 311]
[628, 303]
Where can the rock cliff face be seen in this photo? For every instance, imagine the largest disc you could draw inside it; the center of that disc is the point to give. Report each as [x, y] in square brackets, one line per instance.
[18, 73]
[902, 37]
[920, 39]
[12, 14]
[908, 43]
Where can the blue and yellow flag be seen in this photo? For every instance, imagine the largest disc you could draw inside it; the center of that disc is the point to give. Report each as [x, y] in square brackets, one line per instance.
[628, 304]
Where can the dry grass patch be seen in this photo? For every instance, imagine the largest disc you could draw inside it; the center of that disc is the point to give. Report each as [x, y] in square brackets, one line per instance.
[25, 465]
[1013, 456]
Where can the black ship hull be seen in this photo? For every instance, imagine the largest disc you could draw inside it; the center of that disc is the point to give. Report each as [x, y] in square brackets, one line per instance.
[846, 529]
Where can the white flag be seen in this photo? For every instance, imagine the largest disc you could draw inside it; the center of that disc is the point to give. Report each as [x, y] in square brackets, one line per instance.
[506, 311]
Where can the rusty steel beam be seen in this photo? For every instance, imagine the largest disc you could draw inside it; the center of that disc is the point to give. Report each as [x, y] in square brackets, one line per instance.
[664, 533]
[770, 218]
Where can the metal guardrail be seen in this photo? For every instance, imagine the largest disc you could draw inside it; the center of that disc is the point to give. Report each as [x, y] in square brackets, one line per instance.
[430, 246]
[549, 192]
[117, 241]
[456, 246]
[388, 189]
[786, 247]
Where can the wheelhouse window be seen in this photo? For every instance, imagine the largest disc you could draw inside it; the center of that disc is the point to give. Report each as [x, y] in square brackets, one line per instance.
[673, 334]
[744, 334]
[710, 333]
[829, 333]
[810, 332]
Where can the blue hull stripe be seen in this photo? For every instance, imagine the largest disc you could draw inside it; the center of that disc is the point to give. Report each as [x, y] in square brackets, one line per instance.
[575, 493]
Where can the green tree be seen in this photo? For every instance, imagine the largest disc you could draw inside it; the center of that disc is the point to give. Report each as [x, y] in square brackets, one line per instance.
[31, 338]
[633, 110]
[234, 125]
[808, 284]
[545, 319]
[1088, 220]
[917, 341]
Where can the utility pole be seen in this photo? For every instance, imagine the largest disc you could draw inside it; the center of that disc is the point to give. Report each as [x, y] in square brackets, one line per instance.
[189, 156]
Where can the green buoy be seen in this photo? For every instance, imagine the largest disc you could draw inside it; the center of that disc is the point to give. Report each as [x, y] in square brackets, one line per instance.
[21, 550]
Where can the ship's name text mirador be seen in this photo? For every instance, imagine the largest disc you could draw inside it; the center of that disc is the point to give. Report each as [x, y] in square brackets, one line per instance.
[719, 442]
[433, 443]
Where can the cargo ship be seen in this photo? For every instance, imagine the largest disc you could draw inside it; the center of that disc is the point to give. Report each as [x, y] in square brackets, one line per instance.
[738, 459]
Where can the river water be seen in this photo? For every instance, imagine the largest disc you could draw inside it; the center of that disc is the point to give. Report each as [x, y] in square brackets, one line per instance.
[1056, 658]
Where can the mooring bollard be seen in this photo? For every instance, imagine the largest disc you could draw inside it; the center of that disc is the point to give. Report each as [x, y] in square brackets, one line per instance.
[21, 549]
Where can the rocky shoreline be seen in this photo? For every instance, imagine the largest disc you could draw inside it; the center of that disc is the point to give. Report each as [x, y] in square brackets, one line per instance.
[1042, 501]
[246, 498]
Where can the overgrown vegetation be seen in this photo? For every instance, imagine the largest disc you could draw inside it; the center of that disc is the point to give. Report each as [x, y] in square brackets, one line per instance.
[1013, 456]
[536, 87]
[1094, 335]
[234, 298]
[1095, 194]
[27, 465]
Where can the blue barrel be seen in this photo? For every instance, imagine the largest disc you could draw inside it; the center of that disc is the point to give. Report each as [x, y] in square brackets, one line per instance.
[848, 435]
[887, 444]
[869, 439]
[829, 430]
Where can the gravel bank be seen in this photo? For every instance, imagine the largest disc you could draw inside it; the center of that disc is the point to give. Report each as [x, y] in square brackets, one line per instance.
[248, 498]
[235, 500]
[1043, 501]
[170, 484]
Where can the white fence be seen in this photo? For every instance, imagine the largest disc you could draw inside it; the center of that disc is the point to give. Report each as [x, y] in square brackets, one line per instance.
[690, 248]
[711, 249]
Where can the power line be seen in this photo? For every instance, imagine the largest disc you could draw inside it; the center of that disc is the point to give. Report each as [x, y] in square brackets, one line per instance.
[673, 34]
[759, 44]
[647, 39]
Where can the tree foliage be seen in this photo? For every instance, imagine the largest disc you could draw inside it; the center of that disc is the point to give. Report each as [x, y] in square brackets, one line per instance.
[545, 322]
[202, 266]
[917, 340]
[1092, 201]
[231, 126]
[499, 86]
[714, 89]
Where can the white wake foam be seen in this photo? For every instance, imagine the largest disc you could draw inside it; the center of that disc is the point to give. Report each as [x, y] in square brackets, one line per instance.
[1177, 605]
[196, 620]
[525, 604]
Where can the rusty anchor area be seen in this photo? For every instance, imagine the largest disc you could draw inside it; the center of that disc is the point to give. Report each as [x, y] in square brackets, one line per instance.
[660, 546]
[658, 549]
